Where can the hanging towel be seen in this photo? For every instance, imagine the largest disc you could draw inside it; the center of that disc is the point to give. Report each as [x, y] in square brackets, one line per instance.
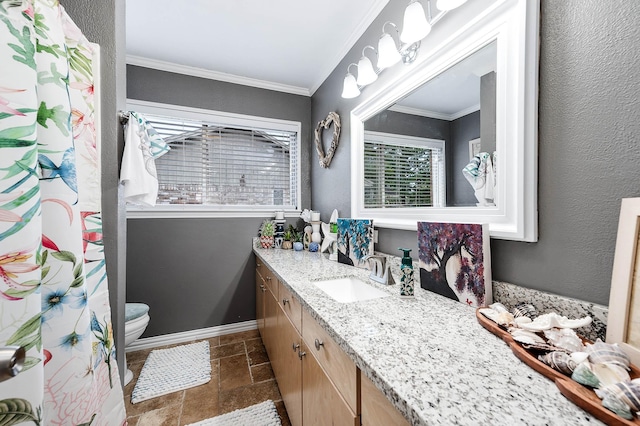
[480, 174]
[138, 172]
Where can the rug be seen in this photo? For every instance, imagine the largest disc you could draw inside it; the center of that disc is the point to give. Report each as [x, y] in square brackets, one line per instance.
[263, 414]
[171, 370]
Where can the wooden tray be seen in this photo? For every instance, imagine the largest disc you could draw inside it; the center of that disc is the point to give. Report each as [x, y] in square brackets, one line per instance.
[580, 395]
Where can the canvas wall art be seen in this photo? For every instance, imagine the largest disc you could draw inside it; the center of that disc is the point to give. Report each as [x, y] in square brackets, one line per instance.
[355, 241]
[455, 261]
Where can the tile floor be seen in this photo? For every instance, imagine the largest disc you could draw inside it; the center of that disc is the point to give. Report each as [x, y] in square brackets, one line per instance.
[241, 376]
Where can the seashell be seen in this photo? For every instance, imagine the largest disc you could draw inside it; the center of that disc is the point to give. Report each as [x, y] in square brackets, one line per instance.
[584, 375]
[627, 392]
[559, 361]
[606, 353]
[525, 336]
[616, 405]
[609, 374]
[579, 357]
[553, 320]
[542, 348]
[525, 310]
[502, 318]
[498, 307]
[564, 338]
[521, 320]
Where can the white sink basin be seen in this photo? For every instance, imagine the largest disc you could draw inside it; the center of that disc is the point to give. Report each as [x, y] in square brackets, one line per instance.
[349, 289]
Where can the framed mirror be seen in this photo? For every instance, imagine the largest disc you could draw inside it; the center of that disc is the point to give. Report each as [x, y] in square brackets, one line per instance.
[475, 92]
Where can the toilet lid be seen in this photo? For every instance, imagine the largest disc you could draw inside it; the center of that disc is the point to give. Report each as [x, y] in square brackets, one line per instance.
[134, 310]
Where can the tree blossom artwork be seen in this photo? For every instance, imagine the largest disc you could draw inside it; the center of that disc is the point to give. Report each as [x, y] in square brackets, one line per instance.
[355, 241]
[455, 261]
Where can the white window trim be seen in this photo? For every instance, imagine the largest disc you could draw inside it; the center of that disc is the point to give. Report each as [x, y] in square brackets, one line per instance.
[440, 188]
[227, 118]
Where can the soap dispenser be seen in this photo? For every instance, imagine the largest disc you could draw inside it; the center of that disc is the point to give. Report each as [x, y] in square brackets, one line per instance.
[406, 269]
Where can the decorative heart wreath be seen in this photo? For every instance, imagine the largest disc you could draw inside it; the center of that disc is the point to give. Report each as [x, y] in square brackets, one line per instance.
[332, 118]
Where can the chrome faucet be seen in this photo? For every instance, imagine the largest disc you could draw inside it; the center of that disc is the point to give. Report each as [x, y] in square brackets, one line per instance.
[380, 270]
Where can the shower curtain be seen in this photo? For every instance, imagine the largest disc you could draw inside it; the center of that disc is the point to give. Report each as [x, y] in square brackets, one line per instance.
[53, 287]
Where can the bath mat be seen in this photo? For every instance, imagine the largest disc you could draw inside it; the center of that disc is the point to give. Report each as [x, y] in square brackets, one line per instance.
[263, 414]
[172, 370]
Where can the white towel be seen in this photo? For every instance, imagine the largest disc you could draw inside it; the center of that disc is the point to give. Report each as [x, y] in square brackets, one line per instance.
[480, 174]
[138, 171]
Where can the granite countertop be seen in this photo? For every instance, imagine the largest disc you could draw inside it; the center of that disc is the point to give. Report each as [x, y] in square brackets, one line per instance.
[428, 355]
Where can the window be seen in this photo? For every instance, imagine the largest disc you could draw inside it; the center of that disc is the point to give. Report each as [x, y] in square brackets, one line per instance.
[223, 164]
[403, 171]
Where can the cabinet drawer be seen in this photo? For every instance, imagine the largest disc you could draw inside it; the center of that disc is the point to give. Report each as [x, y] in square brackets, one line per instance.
[269, 279]
[291, 306]
[339, 367]
[376, 408]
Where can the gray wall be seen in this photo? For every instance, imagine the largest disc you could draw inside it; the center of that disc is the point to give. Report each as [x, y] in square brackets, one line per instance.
[198, 273]
[463, 129]
[588, 145]
[488, 112]
[110, 35]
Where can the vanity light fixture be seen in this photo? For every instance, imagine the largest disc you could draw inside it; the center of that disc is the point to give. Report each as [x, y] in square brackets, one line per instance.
[366, 73]
[415, 25]
[350, 87]
[449, 4]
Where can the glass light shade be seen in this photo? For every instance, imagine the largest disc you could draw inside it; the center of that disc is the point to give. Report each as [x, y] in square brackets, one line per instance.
[415, 26]
[366, 74]
[388, 54]
[449, 4]
[350, 87]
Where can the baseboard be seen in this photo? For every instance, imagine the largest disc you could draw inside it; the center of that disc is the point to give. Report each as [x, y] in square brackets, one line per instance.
[187, 336]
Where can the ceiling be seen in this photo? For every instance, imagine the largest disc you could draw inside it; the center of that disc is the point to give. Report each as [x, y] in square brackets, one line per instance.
[286, 45]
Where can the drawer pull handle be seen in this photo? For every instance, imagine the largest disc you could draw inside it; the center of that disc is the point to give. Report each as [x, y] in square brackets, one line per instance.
[259, 265]
[263, 288]
[318, 343]
[268, 278]
[285, 301]
[295, 346]
[301, 354]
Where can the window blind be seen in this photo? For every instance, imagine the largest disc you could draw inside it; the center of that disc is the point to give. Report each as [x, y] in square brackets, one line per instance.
[220, 165]
[401, 174]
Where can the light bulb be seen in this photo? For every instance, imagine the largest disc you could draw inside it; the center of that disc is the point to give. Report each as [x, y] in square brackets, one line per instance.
[366, 74]
[350, 87]
[388, 54]
[415, 26]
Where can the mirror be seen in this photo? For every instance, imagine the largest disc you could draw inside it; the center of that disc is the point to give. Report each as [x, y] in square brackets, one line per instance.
[474, 93]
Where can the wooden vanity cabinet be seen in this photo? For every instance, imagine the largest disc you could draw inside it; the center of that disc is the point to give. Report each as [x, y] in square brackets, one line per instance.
[318, 382]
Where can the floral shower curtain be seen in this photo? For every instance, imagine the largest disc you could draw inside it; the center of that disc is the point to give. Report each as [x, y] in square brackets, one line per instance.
[53, 287]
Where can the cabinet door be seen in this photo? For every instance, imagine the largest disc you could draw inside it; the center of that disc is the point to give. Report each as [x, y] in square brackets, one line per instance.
[260, 290]
[288, 368]
[376, 408]
[322, 404]
[270, 323]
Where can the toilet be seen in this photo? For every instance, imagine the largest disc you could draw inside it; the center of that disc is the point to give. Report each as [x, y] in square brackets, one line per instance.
[136, 319]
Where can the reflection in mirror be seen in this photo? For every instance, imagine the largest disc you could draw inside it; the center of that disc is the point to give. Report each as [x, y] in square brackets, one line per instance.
[416, 150]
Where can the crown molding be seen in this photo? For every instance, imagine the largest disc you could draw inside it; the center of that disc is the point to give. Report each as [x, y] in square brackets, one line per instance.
[215, 75]
[434, 114]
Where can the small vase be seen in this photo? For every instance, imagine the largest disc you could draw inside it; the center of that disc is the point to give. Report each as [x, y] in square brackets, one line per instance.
[316, 237]
[266, 242]
[287, 245]
[297, 246]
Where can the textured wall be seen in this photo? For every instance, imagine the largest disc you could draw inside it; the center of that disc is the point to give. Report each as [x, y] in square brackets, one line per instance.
[103, 22]
[588, 145]
[198, 273]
